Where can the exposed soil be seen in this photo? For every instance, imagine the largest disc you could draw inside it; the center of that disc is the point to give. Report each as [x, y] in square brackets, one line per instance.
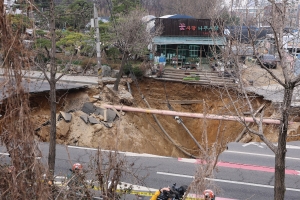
[139, 132]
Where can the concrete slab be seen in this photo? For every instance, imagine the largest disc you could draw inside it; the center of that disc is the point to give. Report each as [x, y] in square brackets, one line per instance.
[111, 115]
[107, 125]
[92, 120]
[84, 118]
[66, 116]
[90, 108]
[36, 86]
[121, 96]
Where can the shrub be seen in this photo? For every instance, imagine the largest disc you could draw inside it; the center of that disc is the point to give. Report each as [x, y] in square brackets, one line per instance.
[41, 58]
[127, 68]
[88, 50]
[59, 61]
[113, 53]
[136, 70]
[76, 62]
[87, 63]
[40, 32]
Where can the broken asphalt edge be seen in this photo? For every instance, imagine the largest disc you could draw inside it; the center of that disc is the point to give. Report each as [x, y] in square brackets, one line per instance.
[90, 80]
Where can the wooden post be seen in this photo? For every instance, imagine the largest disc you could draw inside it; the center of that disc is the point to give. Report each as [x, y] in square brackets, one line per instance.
[200, 61]
[105, 115]
[177, 56]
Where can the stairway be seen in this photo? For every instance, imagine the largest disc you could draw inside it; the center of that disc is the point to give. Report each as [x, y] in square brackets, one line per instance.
[206, 77]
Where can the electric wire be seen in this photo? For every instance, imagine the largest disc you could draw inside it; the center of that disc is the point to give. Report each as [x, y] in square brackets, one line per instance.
[180, 121]
[156, 119]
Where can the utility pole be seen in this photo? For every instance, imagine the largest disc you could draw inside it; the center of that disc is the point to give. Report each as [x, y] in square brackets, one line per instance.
[97, 36]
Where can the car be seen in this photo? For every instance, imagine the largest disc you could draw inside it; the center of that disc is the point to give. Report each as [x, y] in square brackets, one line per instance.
[296, 55]
[267, 60]
[297, 67]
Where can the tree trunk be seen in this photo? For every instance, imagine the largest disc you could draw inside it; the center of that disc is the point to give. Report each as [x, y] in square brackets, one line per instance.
[279, 187]
[52, 145]
[117, 82]
[52, 82]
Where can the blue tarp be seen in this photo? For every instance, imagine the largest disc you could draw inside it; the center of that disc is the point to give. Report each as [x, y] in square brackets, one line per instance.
[162, 59]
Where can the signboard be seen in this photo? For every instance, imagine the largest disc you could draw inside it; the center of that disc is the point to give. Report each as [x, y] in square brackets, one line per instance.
[188, 27]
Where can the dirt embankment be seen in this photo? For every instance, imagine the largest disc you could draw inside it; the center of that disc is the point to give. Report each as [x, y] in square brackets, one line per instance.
[139, 132]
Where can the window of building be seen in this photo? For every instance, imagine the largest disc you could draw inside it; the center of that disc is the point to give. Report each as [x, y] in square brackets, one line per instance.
[194, 50]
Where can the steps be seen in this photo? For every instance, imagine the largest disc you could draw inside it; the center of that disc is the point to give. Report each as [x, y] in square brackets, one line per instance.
[206, 77]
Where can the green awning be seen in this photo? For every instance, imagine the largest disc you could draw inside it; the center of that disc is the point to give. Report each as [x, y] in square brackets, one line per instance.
[220, 41]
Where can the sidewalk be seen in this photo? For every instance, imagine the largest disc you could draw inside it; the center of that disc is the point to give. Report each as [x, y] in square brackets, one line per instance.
[91, 80]
[67, 78]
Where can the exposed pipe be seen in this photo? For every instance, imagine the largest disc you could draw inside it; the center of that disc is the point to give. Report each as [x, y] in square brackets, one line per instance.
[193, 115]
[191, 135]
[165, 132]
[245, 128]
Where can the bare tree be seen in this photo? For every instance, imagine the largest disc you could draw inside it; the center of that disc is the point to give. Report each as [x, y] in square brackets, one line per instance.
[132, 37]
[200, 9]
[284, 77]
[21, 178]
[52, 82]
[208, 157]
[104, 174]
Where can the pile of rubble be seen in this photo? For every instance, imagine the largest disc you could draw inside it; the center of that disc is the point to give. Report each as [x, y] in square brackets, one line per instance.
[86, 121]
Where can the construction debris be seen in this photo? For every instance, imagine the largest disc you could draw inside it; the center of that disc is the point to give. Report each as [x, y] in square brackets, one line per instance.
[90, 108]
[97, 97]
[84, 118]
[122, 96]
[92, 120]
[66, 116]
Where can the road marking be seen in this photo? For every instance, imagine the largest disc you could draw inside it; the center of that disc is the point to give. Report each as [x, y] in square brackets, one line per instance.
[257, 154]
[242, 166]
[253, 143]
[261, 145]
[126, 153]
[227, 181]
[7, 154]
[292, 147]
[85, 148]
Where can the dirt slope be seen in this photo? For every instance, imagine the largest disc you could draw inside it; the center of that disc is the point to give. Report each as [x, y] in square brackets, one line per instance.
[138, 132]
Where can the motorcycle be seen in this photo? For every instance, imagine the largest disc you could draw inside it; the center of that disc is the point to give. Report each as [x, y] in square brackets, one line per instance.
[175, 193]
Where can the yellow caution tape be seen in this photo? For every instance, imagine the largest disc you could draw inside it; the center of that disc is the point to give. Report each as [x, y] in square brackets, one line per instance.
[149, 194]
[135, 192]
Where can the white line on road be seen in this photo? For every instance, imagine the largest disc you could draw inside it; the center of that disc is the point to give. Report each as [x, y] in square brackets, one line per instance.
[85, 148]
[253, 143]
[261, 145]
[257, 154]
[126, 153]
[7, 154]
[227, 181]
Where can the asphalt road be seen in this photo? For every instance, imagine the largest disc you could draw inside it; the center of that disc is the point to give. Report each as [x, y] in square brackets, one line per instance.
[245, 171]
[37, 85]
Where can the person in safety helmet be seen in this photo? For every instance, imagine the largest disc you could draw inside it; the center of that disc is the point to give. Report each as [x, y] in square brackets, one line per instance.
[209, 195]
[77, 168]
